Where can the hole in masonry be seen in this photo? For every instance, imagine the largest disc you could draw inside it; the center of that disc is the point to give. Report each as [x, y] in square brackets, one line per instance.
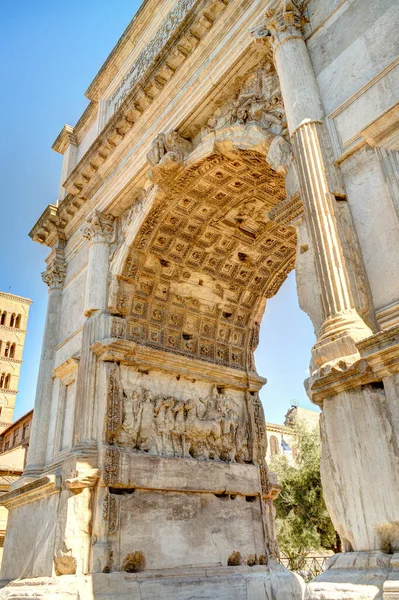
[187, 336]
[250, 498]
[226, 314]
[121, 491]
[222, 496]
[340, 197]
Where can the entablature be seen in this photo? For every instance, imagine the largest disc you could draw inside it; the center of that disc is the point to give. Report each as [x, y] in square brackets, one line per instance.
[145, 358]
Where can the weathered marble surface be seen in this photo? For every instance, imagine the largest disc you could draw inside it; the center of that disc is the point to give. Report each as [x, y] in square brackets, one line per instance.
[224, 143]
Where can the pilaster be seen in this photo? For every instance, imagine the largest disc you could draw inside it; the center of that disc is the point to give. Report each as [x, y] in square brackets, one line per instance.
[54, 277]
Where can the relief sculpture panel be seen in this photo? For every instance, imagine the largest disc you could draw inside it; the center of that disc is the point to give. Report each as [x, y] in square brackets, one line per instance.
[199, 421]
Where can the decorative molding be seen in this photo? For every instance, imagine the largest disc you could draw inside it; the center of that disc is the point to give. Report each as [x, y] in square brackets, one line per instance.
[31, 492]
[67, 370]
[131, 353]
[64, 139]
[15, 298]
[14, 329]
[378, 358]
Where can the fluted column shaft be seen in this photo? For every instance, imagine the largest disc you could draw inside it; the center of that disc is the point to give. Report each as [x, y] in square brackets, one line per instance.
[342, 326]
[98, 230]
[54, 277]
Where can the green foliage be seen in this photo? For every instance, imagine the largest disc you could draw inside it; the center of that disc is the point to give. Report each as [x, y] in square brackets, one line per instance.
[303, 523]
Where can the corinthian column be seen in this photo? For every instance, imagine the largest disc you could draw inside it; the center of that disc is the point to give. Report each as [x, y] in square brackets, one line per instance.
[54, 277]
[342, 326]
[99, 231]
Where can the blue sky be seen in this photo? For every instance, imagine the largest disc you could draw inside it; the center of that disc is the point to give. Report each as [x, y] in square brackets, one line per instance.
[50, 53]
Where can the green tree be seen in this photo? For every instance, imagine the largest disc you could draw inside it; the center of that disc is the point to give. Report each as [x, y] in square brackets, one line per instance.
[302, 521]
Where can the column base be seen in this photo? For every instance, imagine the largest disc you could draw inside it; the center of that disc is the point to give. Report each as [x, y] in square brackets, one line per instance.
[357, 576]
[224, 583]
[338, 337]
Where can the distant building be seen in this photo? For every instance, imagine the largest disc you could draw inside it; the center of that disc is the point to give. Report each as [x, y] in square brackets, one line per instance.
[14, 443]
[311, 417]
[14, 312]
[281, 439]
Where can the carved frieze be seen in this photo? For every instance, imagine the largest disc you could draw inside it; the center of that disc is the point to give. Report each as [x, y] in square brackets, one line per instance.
[110, 513]
[114, 405]
[111, 465]
[210, 428]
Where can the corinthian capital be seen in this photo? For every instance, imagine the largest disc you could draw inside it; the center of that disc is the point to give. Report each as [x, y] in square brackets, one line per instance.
[54, 275]
[284, 19]
[98, 228]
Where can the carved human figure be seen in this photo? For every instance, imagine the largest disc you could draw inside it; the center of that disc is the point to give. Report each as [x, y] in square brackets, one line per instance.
[131, 419]
[147, 434]
[164, 421]
[179, 430]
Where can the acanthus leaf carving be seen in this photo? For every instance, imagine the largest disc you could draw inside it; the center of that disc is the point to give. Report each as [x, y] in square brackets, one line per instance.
[287, 18]
[55, 273]
[98, 227]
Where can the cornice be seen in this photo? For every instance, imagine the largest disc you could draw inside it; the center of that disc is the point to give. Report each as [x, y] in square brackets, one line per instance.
[15, 298]
[120, 52]
[378, 358]
[145, 357]
[50, 226]
[11, 360]
[272, 427]
[12, 392]
[175, 52]
[65, 138]
[30, 492]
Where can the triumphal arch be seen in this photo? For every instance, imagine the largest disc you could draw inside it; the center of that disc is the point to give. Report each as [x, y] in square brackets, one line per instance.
[225, 143]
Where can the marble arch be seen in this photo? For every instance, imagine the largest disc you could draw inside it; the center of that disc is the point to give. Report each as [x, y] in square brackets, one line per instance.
[225, 141]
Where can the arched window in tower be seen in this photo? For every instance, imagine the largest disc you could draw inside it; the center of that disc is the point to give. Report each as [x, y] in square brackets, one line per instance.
[274, 445]
[1, 346]
[12, 351]
[2, 377]
[3, 318]
[7, 382]
[18, 322]
[7, 350]
[12, 320]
